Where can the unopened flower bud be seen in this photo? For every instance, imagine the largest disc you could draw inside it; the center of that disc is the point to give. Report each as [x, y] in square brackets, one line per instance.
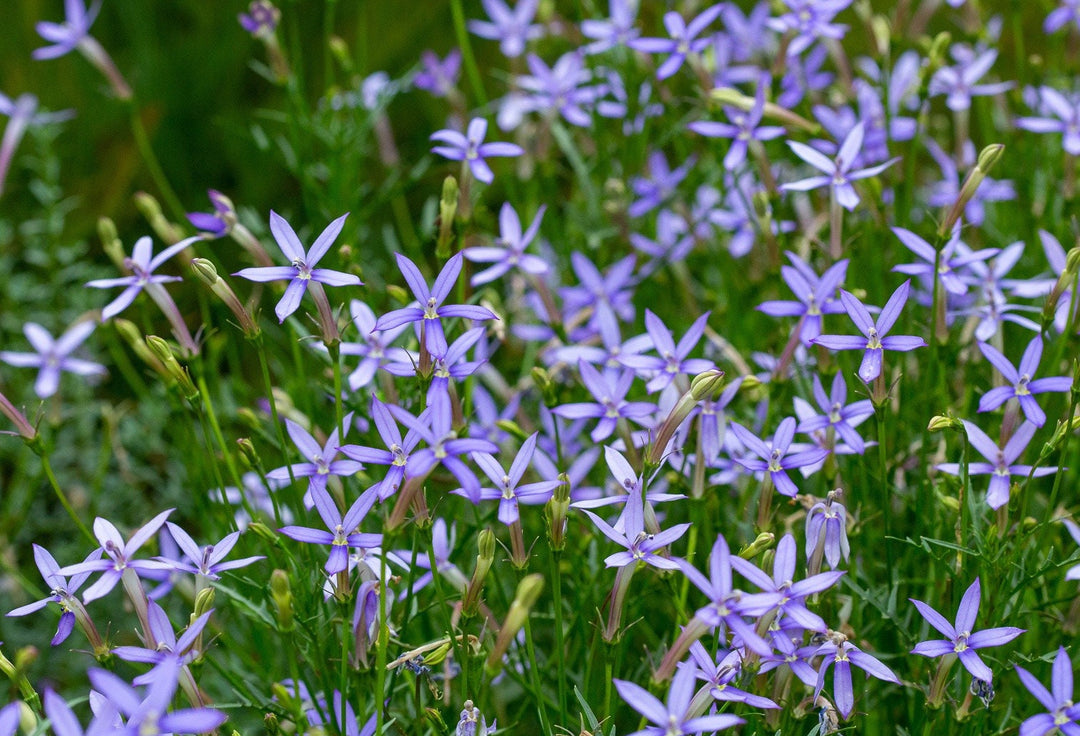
[204, 601]
[448, 205]
[882, 31]
[151, 210]
[528, 591]
[207, 273]
[763, 541]
[509, 425]
[987, 158]
[707, 385]
[28, 720]
[1072, 260]
[952, 503]
[484, 558]
[262, 530]
[938, 48]
[398, 294]
[556, 511]
[702, 386]
[270, 721]
[110, 242]
[22, 424]
[941, 422]
[281, 592]
[247, 451]
[734, 98]
[161, 350]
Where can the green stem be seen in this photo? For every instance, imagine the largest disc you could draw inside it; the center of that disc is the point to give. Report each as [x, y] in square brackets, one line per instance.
[380, 652]
[879, 414]
[1061, 457]
[211, 417]
[142, 142]
[465, 44]
[47, 467]
[534, 671]
[560, 648]
[260, 349]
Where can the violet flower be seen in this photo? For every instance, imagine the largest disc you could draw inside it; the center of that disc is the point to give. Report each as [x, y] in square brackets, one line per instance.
[610, 295]
[557, 89]
[1074, 531]
[432, 309]
[1067, 10]
[672, 360]
[62, 591]
[142, 267]
[610, 403]
[120, 555]
[442, 545]
[67, 36]
[23, 113]
[1067, 123]
[671, 719]
[773, 459]
[683, 42]
[659, 185]
[208, 561]
[959, 83]
[511, 28]
[839, 416]
[508, 251]
[838, 173]
[1001, 461]
[841, 654]
[168, 646]
[261, 20]
[1023, 386]
[9, 716]
[792, 595]
[472, 149]
[435, 427]
[809, 20]
[1061, 713]
[629, 531]
[508, 491]
[149, 713]
[745, 126]
[719, 675]
[372, 348]
[342, 532]
[960, 639]
[826, 525]
[320, 460]
[816, 296]
[303, 268]
[629, 483]
[53, 356]
[397, 453]
[618, 30]
[439, 77]
[876, 339]
[947, 263]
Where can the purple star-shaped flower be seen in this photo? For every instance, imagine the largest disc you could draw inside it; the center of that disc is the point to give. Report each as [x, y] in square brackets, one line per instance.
[875, 341]
[773, 459]
[207, 561]
[840, 416]
[745, 126]
[432, 309]
[303, 268]
[61, 590]
[53, 356]
[439, 77]
[23, 113]
[815, 295]
[959, 82]
[658, 185]
[809, 20]
[1067, 122]
[66, 36]
[149, 713]
[826, 524]
[511, 28]
[320, 460]
[671, 719]
[396, 454]
[683, 41]
[1002, 461]
[508, 252]
[142, 267]
[617, 30]
[472, 149]
[342, 532]
[838, 173]
[508, 491]
[1061, 713]
[372, 348]
[841, 653]
[1023, 386]
[672, 360]
[120, 556]
[948, 261]
[609, 392]
[961, 640]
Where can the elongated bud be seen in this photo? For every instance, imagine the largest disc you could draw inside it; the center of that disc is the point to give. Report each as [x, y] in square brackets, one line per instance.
[270, 722]
[22, 424]
[1072, 260]
[204, 601]
[528, 591]
[882, 32]
[133, 336]
[161, 350]
[247, 451]
[703, 386]
[941, 422]
[151, 210]
[485, 556]
[448, 205]
[508, 425]
[987, 158]
[734, 98]
[262, 530]
[556, 511]
[281, 592]
[209, 276]
[936, 54]
[763, 541]
[110, 242]
[398, 294]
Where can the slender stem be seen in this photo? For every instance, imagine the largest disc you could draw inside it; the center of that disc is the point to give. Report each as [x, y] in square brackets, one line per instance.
[879, 414]
[1061, 457]
[142, 142]
[211, 417]
[560, 647]
[465, 44]
[260, 349]
[335, 360]
[380, 648]
[534, 671]
[47, 467]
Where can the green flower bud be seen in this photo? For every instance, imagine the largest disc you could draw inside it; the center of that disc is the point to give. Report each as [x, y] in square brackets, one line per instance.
[281, 593]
